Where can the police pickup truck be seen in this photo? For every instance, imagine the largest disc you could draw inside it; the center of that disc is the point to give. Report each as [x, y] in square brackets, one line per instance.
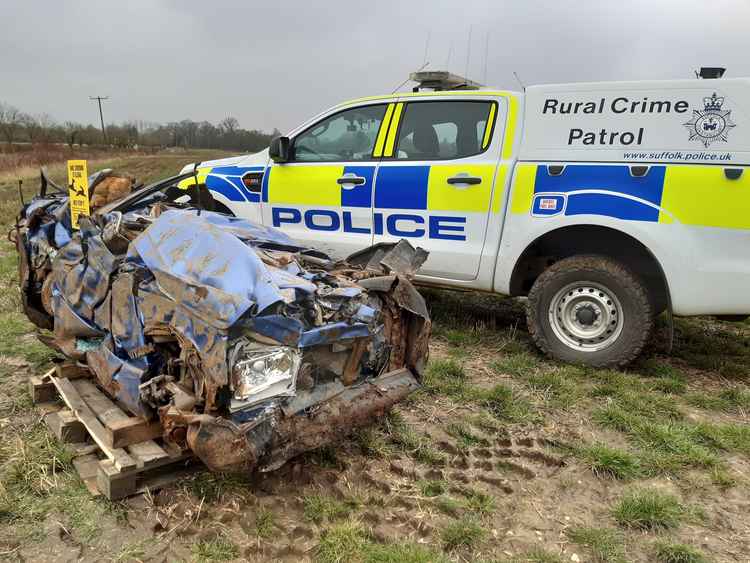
[604, 203]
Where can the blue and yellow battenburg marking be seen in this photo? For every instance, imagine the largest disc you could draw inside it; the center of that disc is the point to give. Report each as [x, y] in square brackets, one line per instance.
[420, 187]
[690, 194]
[227, 181]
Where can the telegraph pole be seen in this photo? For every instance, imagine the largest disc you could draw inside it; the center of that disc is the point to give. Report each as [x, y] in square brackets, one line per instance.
[101, 116]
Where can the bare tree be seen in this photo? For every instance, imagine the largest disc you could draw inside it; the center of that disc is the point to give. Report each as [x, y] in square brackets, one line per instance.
[11, 120]
[229, 125]
[72, 132]
[32, 127]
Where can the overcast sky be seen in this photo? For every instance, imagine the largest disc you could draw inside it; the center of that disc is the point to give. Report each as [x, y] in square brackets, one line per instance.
[276, 63]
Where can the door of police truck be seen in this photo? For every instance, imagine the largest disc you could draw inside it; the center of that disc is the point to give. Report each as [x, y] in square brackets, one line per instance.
[322, 197]
[435, 182]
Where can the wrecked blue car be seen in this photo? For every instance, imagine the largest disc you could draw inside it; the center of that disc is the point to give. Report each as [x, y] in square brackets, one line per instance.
[248, 348]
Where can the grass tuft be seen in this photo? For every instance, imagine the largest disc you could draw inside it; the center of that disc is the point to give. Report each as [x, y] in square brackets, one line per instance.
[464, 532]
[481, 504]
[646, 509]
[320, 508]
[677, 553]
[506, 404]
[607, 461]
[408, 440]
[350, 542]
[220, 548]
[446, 377]
[432, 488]
[606, 546]
[521, 364]
[466, 438]
[341, 543]
[265, 522]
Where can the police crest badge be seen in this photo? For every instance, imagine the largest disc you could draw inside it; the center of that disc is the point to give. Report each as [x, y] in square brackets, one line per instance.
[711, 123]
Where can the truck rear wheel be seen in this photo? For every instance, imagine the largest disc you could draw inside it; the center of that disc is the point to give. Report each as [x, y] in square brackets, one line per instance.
[590, 310]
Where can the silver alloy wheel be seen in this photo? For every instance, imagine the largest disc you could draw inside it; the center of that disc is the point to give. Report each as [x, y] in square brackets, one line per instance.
[586, 316]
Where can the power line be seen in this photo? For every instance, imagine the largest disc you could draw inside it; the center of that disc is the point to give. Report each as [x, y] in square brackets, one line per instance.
[101, 115]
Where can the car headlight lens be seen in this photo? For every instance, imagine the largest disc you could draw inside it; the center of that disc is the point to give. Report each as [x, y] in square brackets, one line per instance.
[262, 373]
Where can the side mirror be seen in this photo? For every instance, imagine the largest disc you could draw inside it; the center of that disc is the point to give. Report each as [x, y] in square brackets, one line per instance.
[279, 149]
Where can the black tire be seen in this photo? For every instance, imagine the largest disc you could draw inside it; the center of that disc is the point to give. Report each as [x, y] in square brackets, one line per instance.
[631, 326]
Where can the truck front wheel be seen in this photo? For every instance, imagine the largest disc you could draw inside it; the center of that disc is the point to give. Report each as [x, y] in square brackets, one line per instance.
[590, 310]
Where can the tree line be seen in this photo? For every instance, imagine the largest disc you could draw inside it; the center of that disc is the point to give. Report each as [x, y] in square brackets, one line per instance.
[17, 126]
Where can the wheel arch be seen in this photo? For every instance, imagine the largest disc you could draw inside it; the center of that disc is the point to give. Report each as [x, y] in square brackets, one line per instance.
[572, 240]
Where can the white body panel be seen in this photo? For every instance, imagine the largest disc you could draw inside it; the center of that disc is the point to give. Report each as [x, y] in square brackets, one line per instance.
[653, 114]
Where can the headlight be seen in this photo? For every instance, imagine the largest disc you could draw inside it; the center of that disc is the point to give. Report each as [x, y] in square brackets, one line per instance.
[261, 373]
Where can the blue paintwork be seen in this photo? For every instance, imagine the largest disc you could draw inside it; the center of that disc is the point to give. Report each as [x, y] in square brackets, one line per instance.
[402, 187]
[616, 180]
[358, 196]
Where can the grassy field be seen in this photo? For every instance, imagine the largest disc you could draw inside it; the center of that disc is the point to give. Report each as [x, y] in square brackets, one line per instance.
[503, 456]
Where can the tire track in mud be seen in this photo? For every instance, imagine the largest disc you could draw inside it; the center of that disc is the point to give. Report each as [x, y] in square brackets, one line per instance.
[384, 496]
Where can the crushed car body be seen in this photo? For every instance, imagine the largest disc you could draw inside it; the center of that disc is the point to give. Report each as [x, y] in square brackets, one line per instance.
[248, 348]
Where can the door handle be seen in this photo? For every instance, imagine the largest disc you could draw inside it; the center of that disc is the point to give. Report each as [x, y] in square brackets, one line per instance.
[348, 182]
[470, 180]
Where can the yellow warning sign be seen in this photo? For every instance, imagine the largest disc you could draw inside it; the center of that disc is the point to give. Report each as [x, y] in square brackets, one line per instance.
[78, 187]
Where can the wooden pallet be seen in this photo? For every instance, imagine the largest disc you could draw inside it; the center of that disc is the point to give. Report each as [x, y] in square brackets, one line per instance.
[115, 454]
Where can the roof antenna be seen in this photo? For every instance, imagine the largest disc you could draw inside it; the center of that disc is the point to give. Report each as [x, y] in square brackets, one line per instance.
[468, 51]
[523, 86]
[407, 80]
[486, 51]
[448, 60]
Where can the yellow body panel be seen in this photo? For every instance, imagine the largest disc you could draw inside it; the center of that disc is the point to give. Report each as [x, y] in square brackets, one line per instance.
[442, 196]
[523, 188]
[510, 128]
[702, 195]
[187, 182]
[305, 185]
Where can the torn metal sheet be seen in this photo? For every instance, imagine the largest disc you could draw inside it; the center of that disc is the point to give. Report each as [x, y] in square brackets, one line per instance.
[248, 347]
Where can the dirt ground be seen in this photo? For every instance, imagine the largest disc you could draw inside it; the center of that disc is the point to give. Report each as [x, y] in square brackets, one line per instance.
[503, 456]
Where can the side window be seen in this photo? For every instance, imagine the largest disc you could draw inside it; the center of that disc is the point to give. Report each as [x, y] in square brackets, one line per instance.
[443, 130]
[346, 136]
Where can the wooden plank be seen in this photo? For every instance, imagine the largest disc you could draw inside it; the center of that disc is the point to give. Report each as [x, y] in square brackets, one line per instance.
[115, 484]
[132, 431]
[46, 408]
[83, 412]
[65, 426]
[106, 411]
[122, 429]
[41, 390]
[71, 370]
[146, 454]
[82, 448]
[87, 467]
